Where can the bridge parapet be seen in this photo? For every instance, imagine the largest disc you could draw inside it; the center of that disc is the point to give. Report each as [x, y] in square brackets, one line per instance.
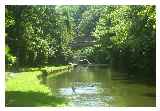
[82, 44]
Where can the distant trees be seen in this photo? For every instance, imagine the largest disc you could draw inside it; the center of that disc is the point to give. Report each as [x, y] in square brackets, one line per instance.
[41, 35]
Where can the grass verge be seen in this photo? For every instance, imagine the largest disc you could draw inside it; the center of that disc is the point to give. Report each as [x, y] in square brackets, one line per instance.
[24, 89]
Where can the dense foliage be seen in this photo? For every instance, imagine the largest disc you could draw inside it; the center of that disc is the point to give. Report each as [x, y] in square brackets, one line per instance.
[39, 35]
[128, 34]
[42, 35]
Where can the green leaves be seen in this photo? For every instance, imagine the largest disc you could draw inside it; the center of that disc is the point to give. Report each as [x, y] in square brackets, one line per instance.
[40, 35]
[10, 60]
[128, 33]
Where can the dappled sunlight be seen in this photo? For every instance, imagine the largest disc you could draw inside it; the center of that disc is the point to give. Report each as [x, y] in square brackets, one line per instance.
[30, 99]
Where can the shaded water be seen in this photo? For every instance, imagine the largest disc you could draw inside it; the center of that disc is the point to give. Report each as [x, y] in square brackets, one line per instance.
[102, 87]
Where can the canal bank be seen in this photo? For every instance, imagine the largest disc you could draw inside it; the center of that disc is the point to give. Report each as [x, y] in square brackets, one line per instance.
[54, 71]
[25, 89]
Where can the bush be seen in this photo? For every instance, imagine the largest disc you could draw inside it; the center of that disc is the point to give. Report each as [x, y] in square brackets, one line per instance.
[10, 60]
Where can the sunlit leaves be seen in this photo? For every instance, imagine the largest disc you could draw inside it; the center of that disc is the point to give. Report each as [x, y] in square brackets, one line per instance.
[43, 34]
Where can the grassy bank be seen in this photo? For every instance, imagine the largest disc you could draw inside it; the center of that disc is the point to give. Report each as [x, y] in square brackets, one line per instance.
[24, 89]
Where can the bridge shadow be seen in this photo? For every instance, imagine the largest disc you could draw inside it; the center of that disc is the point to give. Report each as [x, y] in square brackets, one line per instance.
[31, 99]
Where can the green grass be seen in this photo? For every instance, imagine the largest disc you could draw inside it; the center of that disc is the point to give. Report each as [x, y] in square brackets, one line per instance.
[43, 68]
[24, 89]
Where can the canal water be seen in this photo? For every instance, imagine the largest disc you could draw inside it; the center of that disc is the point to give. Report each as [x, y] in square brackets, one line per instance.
[102, 87]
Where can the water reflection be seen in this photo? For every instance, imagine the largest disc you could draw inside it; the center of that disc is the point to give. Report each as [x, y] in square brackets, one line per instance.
[102, 87]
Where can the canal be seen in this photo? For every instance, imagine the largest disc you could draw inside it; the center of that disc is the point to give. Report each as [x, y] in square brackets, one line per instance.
[102, 87]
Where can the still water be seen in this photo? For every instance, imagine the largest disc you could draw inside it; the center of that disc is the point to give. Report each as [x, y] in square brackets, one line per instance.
[93, 86]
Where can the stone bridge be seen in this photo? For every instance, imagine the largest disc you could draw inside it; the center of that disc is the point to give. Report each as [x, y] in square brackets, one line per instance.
[81, 44]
